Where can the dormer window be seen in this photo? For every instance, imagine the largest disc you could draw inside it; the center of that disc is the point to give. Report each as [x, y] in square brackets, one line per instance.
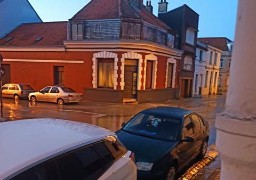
[190, 36]
[77, 31]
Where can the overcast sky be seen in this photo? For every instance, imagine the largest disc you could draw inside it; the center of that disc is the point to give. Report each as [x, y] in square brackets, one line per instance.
[216, 17]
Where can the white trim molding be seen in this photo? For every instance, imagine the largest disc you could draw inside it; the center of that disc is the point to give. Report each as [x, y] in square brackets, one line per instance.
[150, 57]
[131, 55]
[43, 61]
[173, 61]
[103, 54]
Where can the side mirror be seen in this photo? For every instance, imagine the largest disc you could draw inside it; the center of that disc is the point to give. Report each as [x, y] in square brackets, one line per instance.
[187, 139]
[123, 124]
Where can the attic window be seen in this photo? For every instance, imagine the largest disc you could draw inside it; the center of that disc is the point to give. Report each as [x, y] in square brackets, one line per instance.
[8, 39]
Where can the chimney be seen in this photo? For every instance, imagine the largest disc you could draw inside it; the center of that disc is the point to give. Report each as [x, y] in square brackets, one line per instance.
[162, 6]
[149, 7]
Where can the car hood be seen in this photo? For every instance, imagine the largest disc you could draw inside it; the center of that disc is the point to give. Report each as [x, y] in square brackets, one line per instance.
[145, 149]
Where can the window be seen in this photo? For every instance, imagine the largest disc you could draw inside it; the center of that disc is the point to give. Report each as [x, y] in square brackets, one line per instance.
[54, 90]
[210, 62]
[45, 90]
[131, 31]
[197, 123]
[77, 31]
[229, 64]
[215, 59]
[88, 162]
[206, 79]
[149, 75]
[106, 73]
[58, 74]
[170, 75]
[221, 63]
[190, 36]
[201, 55]
[188, 63]
[188, 128]
[13, 87]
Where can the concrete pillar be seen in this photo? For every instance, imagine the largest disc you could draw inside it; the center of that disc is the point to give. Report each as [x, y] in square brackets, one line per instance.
[236, 126]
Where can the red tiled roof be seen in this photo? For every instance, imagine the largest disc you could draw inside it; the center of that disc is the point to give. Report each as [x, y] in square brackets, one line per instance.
[116, 9]
[218, 42]
[37, 34]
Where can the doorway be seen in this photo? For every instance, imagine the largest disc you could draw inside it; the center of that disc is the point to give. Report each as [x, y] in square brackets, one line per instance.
[130, 78]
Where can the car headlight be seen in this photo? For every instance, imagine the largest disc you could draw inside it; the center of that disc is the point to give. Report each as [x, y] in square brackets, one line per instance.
[144, 166]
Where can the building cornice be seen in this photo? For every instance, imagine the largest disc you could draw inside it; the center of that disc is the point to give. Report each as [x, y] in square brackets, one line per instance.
[123, 45]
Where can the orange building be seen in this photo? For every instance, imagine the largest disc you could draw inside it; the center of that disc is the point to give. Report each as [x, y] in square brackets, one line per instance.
[111, 50]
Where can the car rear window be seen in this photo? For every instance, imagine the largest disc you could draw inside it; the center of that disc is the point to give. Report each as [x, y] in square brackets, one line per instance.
[67, 89]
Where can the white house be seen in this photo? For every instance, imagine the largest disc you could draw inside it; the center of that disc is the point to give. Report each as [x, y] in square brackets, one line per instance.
[15, 12]
[207, 68]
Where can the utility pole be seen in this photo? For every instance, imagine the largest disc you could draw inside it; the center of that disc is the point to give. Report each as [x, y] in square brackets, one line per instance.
[1, 83]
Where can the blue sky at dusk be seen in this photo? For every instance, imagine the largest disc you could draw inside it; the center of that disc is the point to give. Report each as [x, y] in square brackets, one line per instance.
[217, 18]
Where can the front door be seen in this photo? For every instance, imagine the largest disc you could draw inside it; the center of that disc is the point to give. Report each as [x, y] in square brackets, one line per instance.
[130, 79]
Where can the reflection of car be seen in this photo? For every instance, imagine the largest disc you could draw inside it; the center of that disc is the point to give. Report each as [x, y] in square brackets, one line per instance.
[16, 91]
[56, 94]
[50, 149]
[165, 140]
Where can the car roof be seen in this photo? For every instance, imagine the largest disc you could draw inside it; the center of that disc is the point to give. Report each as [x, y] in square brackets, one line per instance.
[24, 142]
[175, 112]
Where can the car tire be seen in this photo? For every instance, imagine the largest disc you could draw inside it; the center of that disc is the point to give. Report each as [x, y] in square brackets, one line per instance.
[16, 97]
[33, 99]
[171, 173]
[60, 101]
[203, 150]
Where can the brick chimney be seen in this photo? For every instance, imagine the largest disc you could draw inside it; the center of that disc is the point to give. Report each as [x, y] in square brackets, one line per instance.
[149, 6]
[162, 6]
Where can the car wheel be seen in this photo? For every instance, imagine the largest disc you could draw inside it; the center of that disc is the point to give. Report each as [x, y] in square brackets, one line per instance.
[16, 97]
[171, 173]
[33, 99]
[203, 150]
[60, 102]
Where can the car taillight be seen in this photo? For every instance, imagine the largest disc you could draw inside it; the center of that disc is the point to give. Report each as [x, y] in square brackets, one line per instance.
[132, 156]
[70, 95]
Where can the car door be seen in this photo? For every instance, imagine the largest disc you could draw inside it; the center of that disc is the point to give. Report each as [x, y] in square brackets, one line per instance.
[186, 149]
[43, 94]
[53, 94]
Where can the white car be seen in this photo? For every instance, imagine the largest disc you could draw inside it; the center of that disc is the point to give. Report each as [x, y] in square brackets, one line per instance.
[51, 149]
[56, 94]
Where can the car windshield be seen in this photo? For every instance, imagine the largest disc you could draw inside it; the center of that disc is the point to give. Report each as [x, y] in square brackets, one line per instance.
[154, 126]
[67, 89]
[26, 87]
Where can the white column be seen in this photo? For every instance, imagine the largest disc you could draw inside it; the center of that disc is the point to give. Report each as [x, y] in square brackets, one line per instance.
[236, 126]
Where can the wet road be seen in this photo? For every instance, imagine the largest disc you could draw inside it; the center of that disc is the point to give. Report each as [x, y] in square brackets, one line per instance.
[109, 115]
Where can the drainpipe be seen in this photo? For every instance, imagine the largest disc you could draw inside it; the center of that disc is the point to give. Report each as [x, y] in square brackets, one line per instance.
[236, 126]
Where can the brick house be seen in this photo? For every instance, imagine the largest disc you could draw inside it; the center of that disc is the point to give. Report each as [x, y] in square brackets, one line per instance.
[111, 50]
[185, 21]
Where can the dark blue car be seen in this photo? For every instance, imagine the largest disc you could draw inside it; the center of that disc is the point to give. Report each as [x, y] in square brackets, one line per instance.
[165, 140]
